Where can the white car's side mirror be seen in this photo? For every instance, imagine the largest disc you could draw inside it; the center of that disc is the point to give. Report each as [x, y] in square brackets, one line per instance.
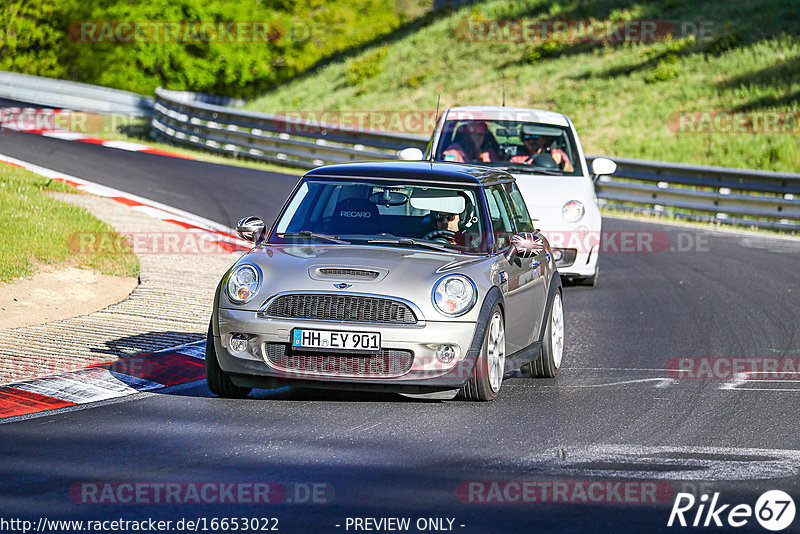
[602, 167]
[411, 154]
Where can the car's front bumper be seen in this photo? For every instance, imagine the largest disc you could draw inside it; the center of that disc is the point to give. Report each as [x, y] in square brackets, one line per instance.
[584, 264]
[254, 368]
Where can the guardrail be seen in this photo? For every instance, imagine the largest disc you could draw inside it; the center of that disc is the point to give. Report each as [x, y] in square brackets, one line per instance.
[725, 195]
[753, 198]
[273, 138]
[72, 95]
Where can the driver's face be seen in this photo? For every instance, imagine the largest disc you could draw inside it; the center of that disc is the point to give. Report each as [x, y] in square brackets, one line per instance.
[536, 144]
[447, 221]
[477, 132]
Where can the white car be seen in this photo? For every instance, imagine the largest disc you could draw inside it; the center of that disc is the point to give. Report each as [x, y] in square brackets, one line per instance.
[543, 152]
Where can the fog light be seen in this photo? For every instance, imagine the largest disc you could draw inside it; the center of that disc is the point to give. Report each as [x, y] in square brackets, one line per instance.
[238, 343]
[558, 254]
[445, 353]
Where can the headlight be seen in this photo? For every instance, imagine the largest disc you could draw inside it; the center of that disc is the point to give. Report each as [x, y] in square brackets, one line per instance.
[454, 295]
[573, 211]
[243, 283]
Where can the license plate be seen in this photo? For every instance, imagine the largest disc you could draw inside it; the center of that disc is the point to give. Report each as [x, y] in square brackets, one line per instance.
[336, 340]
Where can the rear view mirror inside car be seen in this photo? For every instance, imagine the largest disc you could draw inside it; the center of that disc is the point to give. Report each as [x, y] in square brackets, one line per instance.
[437, 200]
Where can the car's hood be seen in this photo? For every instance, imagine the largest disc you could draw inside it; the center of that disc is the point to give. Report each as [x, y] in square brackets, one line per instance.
[400, 271]
[549, 191]
[397, 260]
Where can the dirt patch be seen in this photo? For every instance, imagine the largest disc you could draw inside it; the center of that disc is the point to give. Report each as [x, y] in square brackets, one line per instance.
[59, 292]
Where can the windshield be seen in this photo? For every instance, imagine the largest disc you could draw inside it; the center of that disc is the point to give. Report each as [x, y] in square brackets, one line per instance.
[519, 145]
[381, 213]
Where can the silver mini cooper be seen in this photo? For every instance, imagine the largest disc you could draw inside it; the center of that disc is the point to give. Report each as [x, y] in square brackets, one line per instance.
[393, 276]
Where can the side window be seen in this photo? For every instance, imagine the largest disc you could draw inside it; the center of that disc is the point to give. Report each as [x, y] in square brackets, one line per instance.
[521, 215]
[502, 225]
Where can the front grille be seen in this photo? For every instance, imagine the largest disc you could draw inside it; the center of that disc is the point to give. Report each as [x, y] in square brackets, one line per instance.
[342, 308]
[349, 273]
[384, 364]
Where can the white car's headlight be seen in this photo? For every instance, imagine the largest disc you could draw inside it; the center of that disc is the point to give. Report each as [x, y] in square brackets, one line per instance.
[573, 211]
[243, 283]
[454, 295]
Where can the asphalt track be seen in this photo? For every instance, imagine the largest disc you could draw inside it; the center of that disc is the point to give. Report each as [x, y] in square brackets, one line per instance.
[615, 413]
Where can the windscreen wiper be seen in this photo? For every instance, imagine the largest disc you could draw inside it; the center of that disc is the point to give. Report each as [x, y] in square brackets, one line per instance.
[531, 168]
[313, 235]
[406, 242]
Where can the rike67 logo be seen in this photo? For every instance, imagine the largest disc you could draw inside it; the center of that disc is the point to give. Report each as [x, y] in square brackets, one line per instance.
[774, 510]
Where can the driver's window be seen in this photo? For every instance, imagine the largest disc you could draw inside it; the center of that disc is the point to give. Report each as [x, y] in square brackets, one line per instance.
[499, 211]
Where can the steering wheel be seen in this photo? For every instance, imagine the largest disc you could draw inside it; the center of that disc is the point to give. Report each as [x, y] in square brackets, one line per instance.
[439, 235]
[545, 160]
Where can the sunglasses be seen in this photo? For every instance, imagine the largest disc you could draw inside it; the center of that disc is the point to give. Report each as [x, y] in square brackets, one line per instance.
[442, 217]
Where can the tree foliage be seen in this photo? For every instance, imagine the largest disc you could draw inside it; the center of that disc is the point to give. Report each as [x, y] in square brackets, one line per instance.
[46, 38]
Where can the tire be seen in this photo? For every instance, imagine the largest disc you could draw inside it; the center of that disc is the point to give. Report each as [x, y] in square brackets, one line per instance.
[218, 382]
[487, 375]
[549, 360]
[589, 280]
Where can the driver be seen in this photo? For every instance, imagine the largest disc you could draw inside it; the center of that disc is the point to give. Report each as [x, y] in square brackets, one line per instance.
[473, 142]
[538, 144]
[446, 221]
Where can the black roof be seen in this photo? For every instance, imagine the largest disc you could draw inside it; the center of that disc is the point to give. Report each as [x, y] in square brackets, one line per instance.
[436, 171]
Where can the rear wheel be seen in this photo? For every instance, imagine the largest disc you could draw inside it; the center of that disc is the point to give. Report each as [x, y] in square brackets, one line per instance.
[218, 382]
[487, 375]
[549, 361]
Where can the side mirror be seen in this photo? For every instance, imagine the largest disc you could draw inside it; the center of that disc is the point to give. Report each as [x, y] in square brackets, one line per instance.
[602, 167]
[251, 229]
[525, 245]
[411, 154]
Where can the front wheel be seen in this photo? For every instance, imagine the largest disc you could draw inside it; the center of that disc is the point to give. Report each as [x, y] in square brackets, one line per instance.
[590, 280]
[487, 375]
[549, 361]
[218, 382]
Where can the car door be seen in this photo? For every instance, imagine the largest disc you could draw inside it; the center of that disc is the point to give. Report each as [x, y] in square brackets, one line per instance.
[520, 274]
[536, 287]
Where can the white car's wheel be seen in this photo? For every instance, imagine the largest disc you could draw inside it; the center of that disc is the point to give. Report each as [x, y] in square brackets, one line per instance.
[590, 280]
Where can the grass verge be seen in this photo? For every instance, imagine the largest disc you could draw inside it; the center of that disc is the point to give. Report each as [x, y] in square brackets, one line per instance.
[623, 97]
[37, 228]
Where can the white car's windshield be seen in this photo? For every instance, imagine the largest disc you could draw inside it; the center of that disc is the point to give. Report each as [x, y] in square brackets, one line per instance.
[519, 145]
[437, 217]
